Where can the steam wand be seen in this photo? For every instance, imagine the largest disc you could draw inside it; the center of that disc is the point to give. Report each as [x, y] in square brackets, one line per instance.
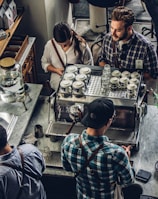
[77, 118]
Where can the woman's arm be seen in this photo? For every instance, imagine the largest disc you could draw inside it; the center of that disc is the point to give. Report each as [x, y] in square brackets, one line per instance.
[52, 69]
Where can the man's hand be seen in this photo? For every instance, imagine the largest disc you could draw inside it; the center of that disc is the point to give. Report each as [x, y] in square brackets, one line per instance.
[102, 63]
[127, 149]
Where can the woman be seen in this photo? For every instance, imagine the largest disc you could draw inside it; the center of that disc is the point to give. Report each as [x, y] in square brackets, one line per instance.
[65, 48]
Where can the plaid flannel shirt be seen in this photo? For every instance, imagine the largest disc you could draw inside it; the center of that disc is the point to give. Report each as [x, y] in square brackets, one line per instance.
[138, 49]
[110, 164]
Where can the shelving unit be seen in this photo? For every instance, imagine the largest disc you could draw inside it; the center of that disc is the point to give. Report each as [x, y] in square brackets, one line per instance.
[10, 32]
[1, 1]
[27, 50]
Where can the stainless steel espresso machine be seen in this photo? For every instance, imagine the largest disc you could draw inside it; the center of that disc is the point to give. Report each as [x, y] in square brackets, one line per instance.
[82, 84]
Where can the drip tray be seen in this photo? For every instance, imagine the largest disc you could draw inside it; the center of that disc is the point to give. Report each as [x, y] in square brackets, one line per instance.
[61, 128]
[8, 121]
[116, 135]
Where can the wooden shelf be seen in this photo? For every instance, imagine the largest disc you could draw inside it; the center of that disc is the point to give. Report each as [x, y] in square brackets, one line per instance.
[1, 1]
[10, 32]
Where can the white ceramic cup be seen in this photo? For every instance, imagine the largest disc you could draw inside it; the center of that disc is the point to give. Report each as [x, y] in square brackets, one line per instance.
[66, 86]
[116, 73]
[123, 82]
[134, 81]
[69, 76]
[126, 74]
[72, 69]
[114, 82]
[135, 75]
[78, 87]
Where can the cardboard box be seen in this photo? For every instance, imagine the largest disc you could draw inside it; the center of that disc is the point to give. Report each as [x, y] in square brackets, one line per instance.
[8, 19]
[5, 5]
[13, 8]
[2, 11]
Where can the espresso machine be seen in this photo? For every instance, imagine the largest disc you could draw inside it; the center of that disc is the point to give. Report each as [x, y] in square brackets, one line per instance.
[81, 84]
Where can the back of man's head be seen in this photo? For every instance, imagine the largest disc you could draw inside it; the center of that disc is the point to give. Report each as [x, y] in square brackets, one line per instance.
[98, 113]
[3, 137]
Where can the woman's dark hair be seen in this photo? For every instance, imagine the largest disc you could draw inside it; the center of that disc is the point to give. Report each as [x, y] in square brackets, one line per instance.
[62, 32]
[125, 14]
[3, 137]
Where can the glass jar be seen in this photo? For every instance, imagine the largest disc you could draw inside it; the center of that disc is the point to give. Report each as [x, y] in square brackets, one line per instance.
[105, 79]
[9, 71]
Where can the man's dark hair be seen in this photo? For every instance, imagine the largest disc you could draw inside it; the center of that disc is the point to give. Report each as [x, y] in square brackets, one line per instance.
[125, 14]
[3, 137]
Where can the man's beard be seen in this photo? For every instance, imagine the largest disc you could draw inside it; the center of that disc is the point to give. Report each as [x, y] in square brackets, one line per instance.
[124, 36]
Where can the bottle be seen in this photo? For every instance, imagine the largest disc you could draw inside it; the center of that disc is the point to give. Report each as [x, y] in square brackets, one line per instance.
[105, 79]
[107, 68]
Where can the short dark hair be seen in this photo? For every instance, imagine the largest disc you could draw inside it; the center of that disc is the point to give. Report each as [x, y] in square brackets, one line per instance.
[122, 13]
[3, 137]
[62, 32]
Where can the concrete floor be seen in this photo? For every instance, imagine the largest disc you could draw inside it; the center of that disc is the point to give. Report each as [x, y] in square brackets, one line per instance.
[58, 187]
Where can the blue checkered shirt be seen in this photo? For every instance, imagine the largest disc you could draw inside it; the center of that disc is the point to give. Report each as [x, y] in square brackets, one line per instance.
[110, 164]
[139, 49]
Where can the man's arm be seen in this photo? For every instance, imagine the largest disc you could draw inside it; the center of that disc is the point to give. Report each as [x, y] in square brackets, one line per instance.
[124, 168]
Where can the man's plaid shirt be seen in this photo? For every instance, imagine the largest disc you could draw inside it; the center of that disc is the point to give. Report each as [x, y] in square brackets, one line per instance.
[110, 164]
[138, 49]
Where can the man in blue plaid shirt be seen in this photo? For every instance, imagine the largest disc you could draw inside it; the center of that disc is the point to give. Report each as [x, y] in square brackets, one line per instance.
[96, 178]
[126, 49]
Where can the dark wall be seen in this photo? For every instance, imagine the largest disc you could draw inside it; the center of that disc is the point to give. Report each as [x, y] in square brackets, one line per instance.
[81, 9]
[59, 188]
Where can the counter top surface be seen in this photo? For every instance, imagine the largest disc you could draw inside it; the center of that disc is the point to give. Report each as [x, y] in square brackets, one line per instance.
[24, 116]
